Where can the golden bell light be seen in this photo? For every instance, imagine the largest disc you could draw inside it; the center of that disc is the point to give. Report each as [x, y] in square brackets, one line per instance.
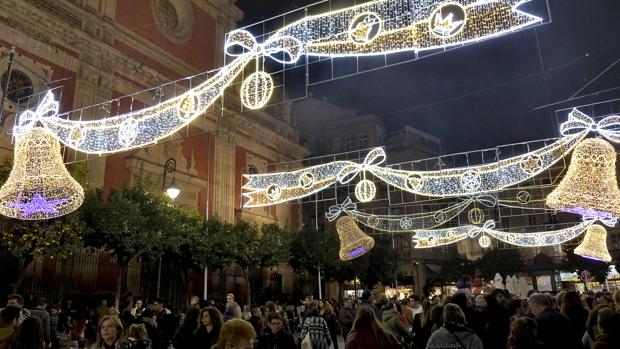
[590, 187]
[39, 185]
[353, 241]
[594, 244]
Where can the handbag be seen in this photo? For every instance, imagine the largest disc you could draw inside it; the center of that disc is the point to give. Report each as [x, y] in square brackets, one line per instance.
[306, 343]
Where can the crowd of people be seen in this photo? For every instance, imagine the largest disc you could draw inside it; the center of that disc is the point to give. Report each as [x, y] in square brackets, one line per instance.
[494, 320]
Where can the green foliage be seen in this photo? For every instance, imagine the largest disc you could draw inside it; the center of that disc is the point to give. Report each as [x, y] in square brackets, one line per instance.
[311, 248]
[573, 262]
[252, 248]
[499, 261]
[382, 263]
[455, 266]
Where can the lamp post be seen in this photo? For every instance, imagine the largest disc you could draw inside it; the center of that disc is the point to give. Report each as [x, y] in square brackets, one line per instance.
[172, 191]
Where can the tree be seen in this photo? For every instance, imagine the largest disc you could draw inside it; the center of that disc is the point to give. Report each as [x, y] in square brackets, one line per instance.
[504, 262]
[256, 249]
[131, 223]
[29, 241]
[382, 261]
[311, 249]
[456, 266]
[573, 262]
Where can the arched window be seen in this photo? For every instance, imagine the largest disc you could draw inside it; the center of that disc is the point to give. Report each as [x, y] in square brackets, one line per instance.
[362, 140]
[336, 145]
[20, 85]
[349, 143]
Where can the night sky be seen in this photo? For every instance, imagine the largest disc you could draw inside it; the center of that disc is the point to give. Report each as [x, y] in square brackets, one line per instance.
[485, 94]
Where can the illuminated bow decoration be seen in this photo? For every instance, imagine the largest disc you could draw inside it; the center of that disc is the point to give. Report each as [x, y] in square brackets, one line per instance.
[608, 221]
[291, 47]
[578, 122]
[486, 200]
[336, 210]
[488, 225]
[374, 158]
[28, 119]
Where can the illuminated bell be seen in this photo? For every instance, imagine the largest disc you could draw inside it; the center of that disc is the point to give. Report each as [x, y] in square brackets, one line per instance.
[590, 187]
[39, 185]
[594, 244]
[353, 241]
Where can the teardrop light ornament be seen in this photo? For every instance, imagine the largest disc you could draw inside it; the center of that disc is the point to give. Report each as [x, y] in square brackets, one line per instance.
[353, 241]
[256, 90]
[590, 187]
[39, 185]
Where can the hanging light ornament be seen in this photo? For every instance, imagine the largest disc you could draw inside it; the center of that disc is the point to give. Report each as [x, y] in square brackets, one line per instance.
[590, 187]
[353, 241]
[39, 185]
[257, 88]
[594, 244]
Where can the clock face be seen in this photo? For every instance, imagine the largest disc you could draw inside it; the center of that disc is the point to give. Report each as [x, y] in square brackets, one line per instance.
[20, 86]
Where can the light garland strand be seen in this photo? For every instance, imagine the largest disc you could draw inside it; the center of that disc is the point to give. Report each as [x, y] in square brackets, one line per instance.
[439, 237]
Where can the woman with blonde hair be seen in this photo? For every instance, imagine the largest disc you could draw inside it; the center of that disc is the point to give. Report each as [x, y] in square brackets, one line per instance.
[236, 334]
[136, 338]
[109, 333]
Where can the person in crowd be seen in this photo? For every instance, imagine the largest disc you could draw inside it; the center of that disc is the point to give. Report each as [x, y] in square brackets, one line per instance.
[194, 302]
[274, 337]
[184, 339]
[422, 330]
[391, 322]
[229, 313]
[551, 325]
[591, 327]
[559, 299]
[367, 332]
[102, 309]
[286, 326]
[435, 300]
[366, 301]
[616, 298]
[497, 323]
[454, 333]
[150, 323]
[166, 323]
[345, 317]
[230, 299]
[332, 323]
[475, 319]
[464, 284]
[573, 309]
[211, 322]
[29, 335]
[109, 333]
[247, 314]
[41, 312]
[608, 334]
[10, 319]
[481, 303]
[516, 309]
[316, 328]
[136, 310]
[16, 300]
[500, 297]
[523, 334]
[416, 325]
[256, 320]
[56, 326]
[414, 304]
[436, 318]
[406, 314]
[236, 334]
[136, 338]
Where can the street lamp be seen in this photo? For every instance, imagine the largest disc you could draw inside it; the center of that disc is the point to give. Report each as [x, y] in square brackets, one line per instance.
[172, 191]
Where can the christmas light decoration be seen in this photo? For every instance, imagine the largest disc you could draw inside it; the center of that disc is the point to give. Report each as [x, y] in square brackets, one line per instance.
[400, 223]
[426, 238]
[590, 187]
[594, 244]
[353, 241]
[443, 183]
[39, 186]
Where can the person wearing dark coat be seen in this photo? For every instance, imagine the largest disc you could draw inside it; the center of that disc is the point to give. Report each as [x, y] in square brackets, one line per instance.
[345, 317]
[551, 325]
[150, 323]
[184, 338]
[454, 333]
[274, 337]
[211, 321]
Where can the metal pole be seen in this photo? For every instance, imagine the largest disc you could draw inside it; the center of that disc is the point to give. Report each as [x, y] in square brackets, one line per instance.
[6, 85]
[320, 293]
[205, 286]
[169, 167]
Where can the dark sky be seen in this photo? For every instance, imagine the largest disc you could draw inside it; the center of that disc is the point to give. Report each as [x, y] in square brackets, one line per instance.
[484, 94]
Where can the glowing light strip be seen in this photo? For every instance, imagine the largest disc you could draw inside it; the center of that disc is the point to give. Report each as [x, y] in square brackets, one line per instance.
[438, 237]
[138, 128]
[389, 26]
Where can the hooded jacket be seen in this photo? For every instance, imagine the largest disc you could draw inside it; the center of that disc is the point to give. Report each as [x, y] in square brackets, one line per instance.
[391, 321]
